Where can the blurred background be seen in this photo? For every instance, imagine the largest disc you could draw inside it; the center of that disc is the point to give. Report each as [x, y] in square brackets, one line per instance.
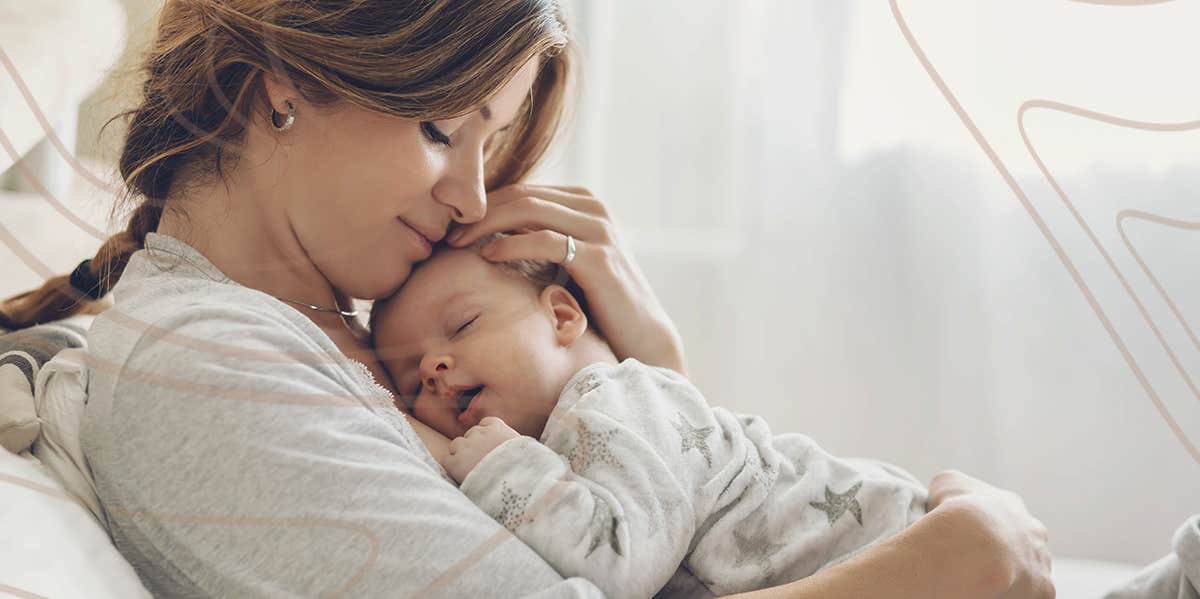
[838, 249]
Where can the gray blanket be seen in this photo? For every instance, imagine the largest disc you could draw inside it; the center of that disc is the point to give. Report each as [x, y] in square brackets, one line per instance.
[22, 354]
[28, 349]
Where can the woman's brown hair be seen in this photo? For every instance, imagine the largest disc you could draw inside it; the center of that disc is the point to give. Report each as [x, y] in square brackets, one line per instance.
[415, 59]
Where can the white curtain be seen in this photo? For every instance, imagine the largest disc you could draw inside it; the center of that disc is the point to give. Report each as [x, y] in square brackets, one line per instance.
[842, 257]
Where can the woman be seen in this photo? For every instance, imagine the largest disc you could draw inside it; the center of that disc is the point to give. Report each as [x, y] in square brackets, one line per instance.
[289, 156]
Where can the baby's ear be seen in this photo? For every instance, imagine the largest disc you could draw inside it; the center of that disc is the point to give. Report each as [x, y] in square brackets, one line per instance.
[568, 318]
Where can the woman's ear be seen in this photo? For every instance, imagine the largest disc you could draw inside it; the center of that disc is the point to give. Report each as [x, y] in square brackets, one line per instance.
[568, 318]
[279, 92]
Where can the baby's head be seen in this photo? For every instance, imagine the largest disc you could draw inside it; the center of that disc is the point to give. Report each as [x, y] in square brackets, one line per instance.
[466, 338]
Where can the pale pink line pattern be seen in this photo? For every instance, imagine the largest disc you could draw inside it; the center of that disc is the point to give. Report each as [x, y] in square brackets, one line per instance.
[44, 490]
[1126, 215]
[38, 487]
[984, 145]
[11, 150]
[22, 593]
[1062, 194]
[48, 128]
[372, 555]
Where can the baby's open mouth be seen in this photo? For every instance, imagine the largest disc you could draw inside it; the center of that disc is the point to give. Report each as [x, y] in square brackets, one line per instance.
[464, 398]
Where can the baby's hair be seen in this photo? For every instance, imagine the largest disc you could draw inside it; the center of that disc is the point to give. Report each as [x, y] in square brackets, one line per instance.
[539, 273]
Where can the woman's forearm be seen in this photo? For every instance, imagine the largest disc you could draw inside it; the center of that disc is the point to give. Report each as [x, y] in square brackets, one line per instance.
[945, 555]
[664, 349]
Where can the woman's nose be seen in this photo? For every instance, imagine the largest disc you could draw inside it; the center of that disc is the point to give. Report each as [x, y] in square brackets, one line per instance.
[463, 191]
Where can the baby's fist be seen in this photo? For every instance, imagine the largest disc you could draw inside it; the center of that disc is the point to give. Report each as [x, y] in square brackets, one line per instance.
[466, 451]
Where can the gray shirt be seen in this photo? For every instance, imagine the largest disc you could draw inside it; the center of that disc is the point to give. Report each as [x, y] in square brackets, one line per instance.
[238, 453]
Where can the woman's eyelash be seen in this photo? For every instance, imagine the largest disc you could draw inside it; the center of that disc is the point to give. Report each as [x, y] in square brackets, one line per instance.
[432, 132]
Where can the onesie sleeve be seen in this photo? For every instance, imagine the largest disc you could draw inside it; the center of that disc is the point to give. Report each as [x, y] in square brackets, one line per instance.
[610, 495]
[232, 463]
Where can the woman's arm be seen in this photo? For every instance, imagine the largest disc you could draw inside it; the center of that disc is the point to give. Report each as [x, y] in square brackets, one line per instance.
[230, 469]
[620, 299]
[945, 555]
[976, 541]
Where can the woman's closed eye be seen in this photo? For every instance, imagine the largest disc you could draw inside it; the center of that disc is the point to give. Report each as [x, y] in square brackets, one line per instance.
[435, 134]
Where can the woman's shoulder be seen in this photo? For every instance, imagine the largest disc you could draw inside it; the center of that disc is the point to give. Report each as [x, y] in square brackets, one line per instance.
[197, 317]
[177, 318]
[168, 290]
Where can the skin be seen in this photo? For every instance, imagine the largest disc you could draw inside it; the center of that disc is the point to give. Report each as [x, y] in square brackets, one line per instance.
[446, 326]
[317, 214]
[375, 177]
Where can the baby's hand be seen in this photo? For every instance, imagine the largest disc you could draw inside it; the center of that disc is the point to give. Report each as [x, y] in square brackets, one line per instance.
[478, 441]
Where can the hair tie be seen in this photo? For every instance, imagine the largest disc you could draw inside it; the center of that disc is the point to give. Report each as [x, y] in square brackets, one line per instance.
[83, 281]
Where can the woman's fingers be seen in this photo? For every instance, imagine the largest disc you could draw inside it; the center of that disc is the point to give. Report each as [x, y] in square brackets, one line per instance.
[947, 484]
[547, 245]
[532, 213]
[575, 198]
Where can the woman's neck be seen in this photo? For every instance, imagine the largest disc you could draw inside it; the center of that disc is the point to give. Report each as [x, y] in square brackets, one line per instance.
[253, 243]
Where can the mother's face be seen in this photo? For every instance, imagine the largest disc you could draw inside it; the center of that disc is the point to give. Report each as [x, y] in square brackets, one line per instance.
[364, 193]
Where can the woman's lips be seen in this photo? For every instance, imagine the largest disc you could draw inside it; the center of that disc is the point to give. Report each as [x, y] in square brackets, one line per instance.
[422, 244]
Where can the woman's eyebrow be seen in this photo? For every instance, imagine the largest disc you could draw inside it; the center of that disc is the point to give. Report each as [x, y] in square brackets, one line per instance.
[486, 112]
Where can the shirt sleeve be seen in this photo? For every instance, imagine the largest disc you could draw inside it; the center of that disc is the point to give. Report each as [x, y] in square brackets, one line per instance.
[236, 465]
[609, 497]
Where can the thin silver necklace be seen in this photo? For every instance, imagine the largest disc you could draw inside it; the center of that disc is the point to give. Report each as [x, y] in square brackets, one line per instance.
[345, 313]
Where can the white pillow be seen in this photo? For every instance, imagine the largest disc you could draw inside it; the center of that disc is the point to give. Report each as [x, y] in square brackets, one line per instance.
[52, 547]
[59, 397]
[19, 425]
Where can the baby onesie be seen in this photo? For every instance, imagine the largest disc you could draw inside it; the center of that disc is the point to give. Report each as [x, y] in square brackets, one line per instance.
[635, 473]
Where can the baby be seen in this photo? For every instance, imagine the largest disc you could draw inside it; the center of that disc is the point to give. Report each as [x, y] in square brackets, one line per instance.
[616, 471]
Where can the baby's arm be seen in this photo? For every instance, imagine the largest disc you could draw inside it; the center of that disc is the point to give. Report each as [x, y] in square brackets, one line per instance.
[627, 539]
[600, 500]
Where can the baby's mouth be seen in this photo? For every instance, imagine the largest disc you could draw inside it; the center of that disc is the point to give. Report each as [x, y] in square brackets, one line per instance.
[464, 399]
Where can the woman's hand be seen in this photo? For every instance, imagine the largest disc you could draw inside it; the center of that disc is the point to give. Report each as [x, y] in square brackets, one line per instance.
[1021, 540]
[619, 298]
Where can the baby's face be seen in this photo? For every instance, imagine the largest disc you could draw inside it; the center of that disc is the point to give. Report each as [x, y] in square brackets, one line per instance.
[463, 339]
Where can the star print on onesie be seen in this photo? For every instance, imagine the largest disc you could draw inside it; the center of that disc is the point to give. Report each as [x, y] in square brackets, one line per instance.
[592, 447]
[657, 509]
[755, 551]
[603, 527]
[837, 504]
[694, 438]
[512, 507]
